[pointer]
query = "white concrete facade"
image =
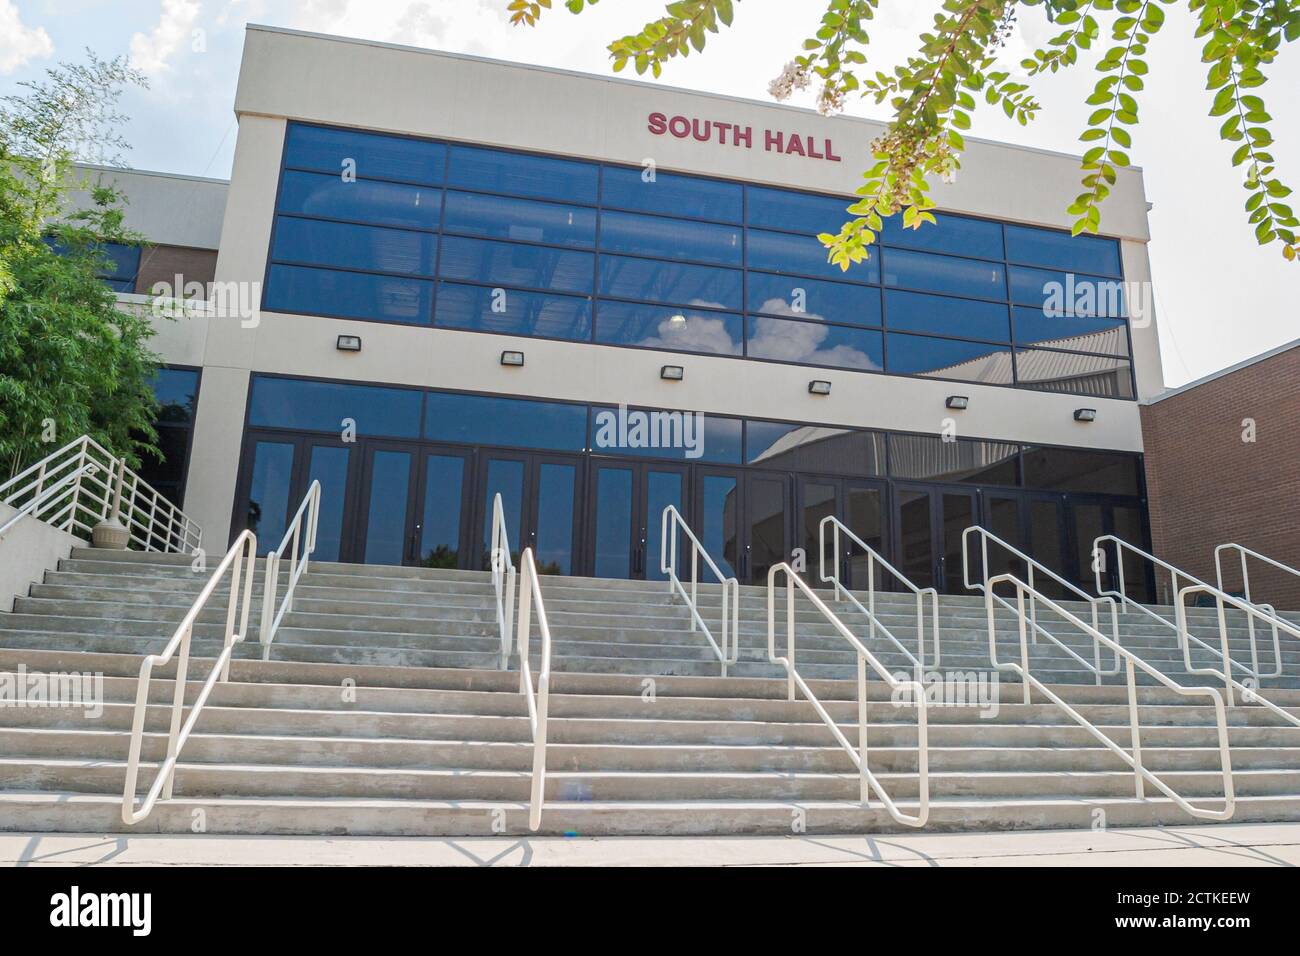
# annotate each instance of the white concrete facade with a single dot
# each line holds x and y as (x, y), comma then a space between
(289, 76)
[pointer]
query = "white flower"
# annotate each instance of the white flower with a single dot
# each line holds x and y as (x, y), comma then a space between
(793, 77)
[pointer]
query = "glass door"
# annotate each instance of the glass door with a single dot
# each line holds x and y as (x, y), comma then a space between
(860, 505)
(627, 522)
(716, 515)
(1046, 539)
(540, 504)
(385, 531)
(768, 525)
(930, 522)
(441, 519)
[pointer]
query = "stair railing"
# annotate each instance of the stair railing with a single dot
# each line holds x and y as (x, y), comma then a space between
(1036, 567)
(1132, 755)
(539, 703)
(1249, 694)
(1243, 553)
(93, 486)
(915, 691)
(240, 561)
(874, 558)
(504, 582)
(671, 523)
(299, 543)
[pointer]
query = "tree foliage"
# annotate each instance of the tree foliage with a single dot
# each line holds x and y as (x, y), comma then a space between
(71, 362)
(957, 65)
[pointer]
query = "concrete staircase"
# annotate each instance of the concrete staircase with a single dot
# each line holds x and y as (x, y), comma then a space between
(381, 711)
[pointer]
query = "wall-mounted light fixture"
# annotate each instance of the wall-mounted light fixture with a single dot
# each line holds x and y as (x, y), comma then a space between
(958, 401)
(348, 343)
(1085, 414)
(512, 358)
(818, 387)
(672, 373)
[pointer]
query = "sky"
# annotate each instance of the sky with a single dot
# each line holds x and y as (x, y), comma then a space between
(1219, 297)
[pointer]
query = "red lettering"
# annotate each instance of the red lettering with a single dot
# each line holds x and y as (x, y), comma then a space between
(722, 132)
(796, 146)
(658, 124)
(703, 134)
(812, 150)
(772, 139)
(830, 153)
(745, 136)
(679, 126)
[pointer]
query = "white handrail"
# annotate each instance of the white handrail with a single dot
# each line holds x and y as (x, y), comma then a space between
(1132, 662)
(1250, 695)
(1182, 632)
(504, 585)
(874, 558)
(1243, 553)
(916, 690)
(1033, 564)
(671, 522)
(110, 489)
(242, 557)
(538, 704)
(300, 539)
(52, 491)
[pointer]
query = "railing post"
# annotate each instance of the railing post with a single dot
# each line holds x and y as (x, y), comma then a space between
(1227, 661)
(726, 594)
(863, 789)
(789, 632)
(836, 563)
(269, 587)
(1024, 644)
(695, 575)
(1033, 606)
(178, 704)
(524, 630)
(1133, 723)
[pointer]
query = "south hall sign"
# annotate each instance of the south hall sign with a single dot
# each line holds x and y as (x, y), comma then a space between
(730, 134)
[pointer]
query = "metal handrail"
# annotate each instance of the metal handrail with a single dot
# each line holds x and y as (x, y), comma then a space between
(1132, 662)
(1249, 694)
(874, 558)
(53, 491)
(866, 779)
(671, 522)
(242, 557)
(110, 490)
(504, 585)
(538, 703)
(301, 542)
(1183, 633)
(1033, 565)
(1243, 553)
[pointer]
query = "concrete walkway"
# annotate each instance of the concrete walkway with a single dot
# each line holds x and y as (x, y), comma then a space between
(1229, 845)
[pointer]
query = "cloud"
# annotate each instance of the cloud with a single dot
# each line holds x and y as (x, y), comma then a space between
(19, 44)
(150, 53)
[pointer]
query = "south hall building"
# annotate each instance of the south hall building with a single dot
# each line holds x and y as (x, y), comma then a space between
(447, 277)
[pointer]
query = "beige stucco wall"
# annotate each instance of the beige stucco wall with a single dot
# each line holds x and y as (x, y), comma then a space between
(27, 551)
(355, 83)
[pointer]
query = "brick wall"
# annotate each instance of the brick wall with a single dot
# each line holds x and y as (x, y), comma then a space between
(1208, 486)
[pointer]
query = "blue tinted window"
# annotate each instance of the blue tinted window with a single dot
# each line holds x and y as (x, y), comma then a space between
(936, 313)
(387, 204)
(814, 343)
(949, 358)
(812, 298)
(177, 392)
(675, 195)
(355, 247)
(630, 278)
(1065, 293)
(658, 433)
(329, 466)
(1083, 334)
(508, 263)
(670, 238)
(929, 273)
(481, 308)
(376, 156)
(1099, 375)
(958, 235)
(489, 420)
(797, 212)
(118, 263)
(668, 327)
(351, 295)
(323, 406)
(1058, 250)
(787, 253)
(527, 220)
(517, 174)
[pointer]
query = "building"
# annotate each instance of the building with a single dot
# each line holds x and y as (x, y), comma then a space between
(1221, 458)
(599, 297)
